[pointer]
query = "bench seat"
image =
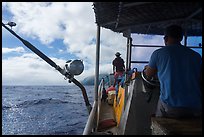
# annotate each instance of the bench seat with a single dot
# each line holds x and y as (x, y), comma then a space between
(169, 126)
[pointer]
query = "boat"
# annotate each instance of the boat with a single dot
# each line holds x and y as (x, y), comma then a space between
(132, 113)
(129, 110)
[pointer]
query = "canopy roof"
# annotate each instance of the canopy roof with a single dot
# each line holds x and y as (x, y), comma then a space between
(149, 17)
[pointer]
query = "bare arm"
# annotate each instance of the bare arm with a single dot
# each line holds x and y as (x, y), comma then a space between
(113, 69)
(150, 71)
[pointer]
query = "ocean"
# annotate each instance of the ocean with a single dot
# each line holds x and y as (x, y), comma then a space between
(44, 110)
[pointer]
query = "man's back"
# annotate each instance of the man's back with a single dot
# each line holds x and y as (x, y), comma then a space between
(119, 63)
(179, 73)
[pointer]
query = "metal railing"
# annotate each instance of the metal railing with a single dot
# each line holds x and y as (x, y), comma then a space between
(156, 46)
(90, 124)
(100, 89)
(93, 119)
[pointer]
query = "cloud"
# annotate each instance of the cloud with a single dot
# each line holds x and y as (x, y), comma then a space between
(143, 54)
(74, 24)
(41, 22)
(17, 49)
(29, 69)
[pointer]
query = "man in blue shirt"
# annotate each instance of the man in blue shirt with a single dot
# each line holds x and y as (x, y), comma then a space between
(179, 72)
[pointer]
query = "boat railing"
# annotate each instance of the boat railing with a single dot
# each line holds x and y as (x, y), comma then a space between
(93, 119)
(155, 46)
(90, 124)
(100, 90)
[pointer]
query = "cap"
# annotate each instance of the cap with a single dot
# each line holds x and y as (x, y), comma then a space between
(117, 54)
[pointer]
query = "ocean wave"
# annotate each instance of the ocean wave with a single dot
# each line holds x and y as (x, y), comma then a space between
(73, 124)
(6, 107)
(44, 110)
(35, 102)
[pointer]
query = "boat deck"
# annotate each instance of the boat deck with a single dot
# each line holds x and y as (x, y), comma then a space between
(107, 122)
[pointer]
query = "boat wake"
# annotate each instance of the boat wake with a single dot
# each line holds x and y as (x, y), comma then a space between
(31, 103)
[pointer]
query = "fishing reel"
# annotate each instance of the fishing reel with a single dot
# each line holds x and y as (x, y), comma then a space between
(73, 68)
(11, 24)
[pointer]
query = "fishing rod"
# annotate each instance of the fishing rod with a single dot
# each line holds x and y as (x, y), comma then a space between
(71, 68)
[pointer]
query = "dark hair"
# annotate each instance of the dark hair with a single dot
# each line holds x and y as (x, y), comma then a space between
(174, 31)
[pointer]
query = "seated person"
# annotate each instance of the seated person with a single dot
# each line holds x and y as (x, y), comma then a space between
(179, 72)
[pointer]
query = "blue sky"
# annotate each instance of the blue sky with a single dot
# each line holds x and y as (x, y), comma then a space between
(62, 31)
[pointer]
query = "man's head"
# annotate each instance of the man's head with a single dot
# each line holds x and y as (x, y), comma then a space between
(117, 54)
(173, 34)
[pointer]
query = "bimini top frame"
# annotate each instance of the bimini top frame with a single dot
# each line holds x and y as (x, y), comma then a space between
(149, 17)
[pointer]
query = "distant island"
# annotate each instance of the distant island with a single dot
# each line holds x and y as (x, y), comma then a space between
(90, 80)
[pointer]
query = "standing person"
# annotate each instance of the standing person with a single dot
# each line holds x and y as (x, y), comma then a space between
(118, 67)
(179, 72)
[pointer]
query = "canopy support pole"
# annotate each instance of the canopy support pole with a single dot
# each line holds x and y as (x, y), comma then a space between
(185, 38)
(96, 82)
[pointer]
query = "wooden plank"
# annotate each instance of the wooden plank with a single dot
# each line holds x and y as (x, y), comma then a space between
(106, 114)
